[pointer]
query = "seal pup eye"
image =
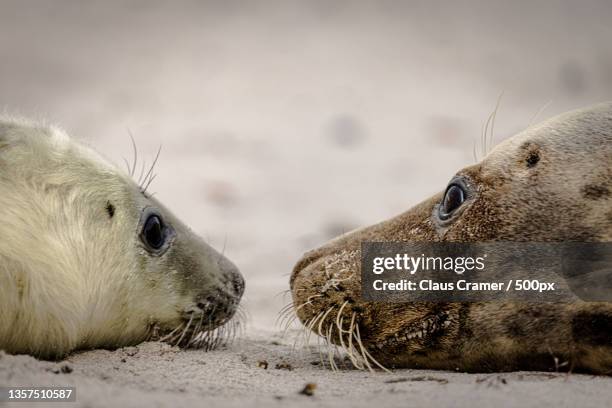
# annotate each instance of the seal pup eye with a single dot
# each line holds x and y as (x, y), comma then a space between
(153, 232)
(454, 197)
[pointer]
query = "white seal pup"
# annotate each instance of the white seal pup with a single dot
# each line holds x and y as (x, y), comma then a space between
(88, 259)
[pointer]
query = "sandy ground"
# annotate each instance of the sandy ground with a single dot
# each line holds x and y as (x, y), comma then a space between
(287, 124)
(155, 374)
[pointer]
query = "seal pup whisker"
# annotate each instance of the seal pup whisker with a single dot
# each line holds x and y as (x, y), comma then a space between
(134, 152)
(196, 330)
(149, 177)
(242, 320)
(127, 165)
(187, 327)
(171, 334)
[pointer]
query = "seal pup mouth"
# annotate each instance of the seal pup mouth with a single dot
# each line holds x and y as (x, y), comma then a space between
(203, 328)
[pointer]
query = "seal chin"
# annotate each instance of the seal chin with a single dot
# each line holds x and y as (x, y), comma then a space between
(206, 316)
(206, 324)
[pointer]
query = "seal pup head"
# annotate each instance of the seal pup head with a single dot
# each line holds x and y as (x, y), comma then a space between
(552, 182)
(88, 259)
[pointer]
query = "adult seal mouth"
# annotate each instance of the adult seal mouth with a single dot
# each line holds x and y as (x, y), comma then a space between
(550, 183)
(88, 258)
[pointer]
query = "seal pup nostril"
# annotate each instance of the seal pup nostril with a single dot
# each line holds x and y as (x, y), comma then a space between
(217, 308)
(238, 285)
(207, 305)
(202, 306)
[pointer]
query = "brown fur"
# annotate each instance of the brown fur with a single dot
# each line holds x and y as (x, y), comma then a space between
(549, 183)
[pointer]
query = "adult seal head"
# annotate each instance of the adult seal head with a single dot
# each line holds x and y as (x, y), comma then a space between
(552, 182)
(89, 259)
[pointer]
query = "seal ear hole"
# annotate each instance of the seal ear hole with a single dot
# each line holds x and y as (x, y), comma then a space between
(532, 159)
(530, 153)
(110, 209)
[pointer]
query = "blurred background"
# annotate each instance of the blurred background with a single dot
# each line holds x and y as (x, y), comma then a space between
(284, 124)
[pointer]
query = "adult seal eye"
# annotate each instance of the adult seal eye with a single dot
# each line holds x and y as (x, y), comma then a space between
(153, 232)
(454, 197)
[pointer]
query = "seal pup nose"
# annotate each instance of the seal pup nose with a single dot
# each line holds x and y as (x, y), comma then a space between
(217, 308)
(238, 285)
(233, 278)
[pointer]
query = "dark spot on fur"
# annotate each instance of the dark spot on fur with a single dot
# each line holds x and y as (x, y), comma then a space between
(592, 328)
(531, 154)
(110, 209)
(529, 321)
(532, 159)
(595, 192)
(514, 329)
(465, 329)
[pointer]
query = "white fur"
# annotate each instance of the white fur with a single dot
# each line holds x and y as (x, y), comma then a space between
(68, 273)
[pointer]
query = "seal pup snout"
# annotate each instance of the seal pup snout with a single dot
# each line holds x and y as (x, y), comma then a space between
(218, 306)
(212, 287)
